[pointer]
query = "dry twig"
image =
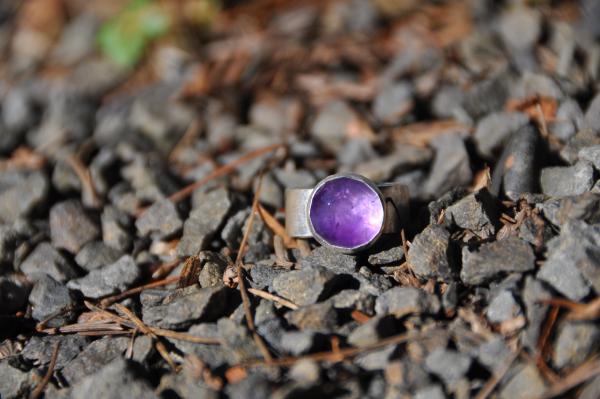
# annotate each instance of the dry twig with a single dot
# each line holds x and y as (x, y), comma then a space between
(39, 389)
(341, 354)
(240, 277)
(581, 374)
(223, 171)
(160, 347)
(125, 294)
(270, 297)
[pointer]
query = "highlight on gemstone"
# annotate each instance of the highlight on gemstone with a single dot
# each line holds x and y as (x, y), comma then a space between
(346, 212)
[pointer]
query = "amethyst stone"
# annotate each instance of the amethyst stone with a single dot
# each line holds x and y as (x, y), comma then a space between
(346, 212)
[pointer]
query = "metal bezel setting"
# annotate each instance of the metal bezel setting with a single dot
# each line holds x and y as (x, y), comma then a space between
(363, 180)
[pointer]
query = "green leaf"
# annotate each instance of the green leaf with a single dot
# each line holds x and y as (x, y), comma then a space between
(125, 38)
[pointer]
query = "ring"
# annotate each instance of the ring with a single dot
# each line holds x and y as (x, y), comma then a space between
(345, 211)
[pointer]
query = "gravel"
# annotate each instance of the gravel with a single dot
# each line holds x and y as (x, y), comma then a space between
(429, 254)
(494, 259)
(70, 226)
(570, 267)
(185, 308)
(118, 379)
(48, 297)
(160, 220)
(109, 279)
(46, 260)
(304, 287)
(568, 180)
(400, 301)
(204, 221)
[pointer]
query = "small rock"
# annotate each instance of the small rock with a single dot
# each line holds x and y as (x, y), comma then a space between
(355, 152)
(14, 383)
(430, 392)
(271, 193)
(305, 372)
(592, 119)
(354, 299)
(574, 343)
(331, 125)
(534, 83)
(93, 357)
(393, 255)
(109, 279)
(209, 211)
(450, 297)
(47, 297)
(294, 178)
(429, 254)
(583, 207)
(567, 180)
(38, 350)
(585, 137)
(330, 259)
(401, 159)
(572, 260)
(493, 259)
(118, 379)
(591, 154)
(526, 383)
(278, 116)
(438, 206)
(23, 196)
(372, 331)
(520, 28)
(115, 228)
(319, 317)
(569, 119)
(494, 130)
(447, 103)
(70, 226)
(370, 283)
(46, 260)
(450, 167)
(533, 293)
(76, 40)
(489, 95)
(503, 307)
(184, 385)
(376, 360)
(448, 364)
(393, 102)
(254, 386)
(304, 287)
(215, 356)
(264, 272)
(591, 390)
(237, 341)
(161, 220)
(298, 342)
(17, 114)
(96, 254)
(213, 267)
(187, 308)
(475, 212)
(400, 301)
(516, 172)
(413, 181)
(493, 354)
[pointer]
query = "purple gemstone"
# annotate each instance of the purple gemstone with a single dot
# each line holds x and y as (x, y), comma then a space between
(346, 212)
